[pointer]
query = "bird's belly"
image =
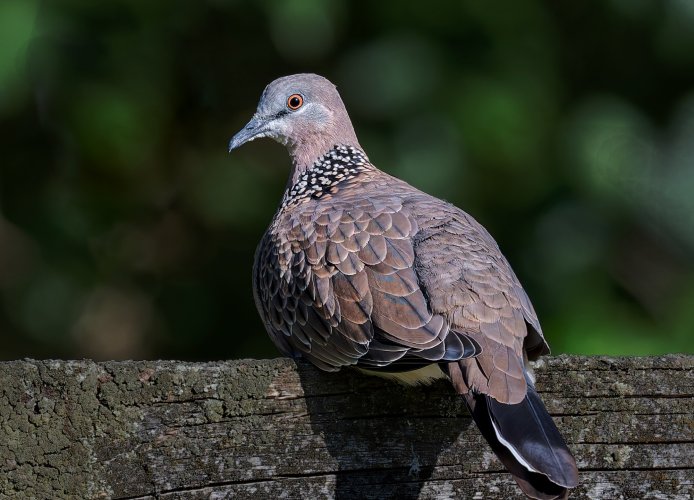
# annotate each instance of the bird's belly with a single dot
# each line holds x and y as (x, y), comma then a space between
(421, 376)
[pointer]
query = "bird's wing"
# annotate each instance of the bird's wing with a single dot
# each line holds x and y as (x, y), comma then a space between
(467, 279)
(341, 289)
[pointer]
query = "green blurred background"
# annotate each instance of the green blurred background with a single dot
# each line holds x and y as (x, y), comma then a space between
(127, 231)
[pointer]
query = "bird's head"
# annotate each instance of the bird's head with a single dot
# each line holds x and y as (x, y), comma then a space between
(305, 113)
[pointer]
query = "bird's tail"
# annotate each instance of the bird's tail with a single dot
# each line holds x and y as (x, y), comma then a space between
(527, 442)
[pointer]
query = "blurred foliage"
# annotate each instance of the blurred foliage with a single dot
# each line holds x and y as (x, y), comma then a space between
(126, 231)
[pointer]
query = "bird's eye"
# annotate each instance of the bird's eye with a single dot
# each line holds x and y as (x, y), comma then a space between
(295, 101)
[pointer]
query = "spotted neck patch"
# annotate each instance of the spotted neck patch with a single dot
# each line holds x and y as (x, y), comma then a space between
(323, 177)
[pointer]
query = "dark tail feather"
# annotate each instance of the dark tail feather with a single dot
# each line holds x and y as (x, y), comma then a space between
(528, 443)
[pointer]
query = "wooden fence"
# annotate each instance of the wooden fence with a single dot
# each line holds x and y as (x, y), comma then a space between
(273, 429)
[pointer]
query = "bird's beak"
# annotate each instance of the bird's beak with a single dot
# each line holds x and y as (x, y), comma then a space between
(257, 127)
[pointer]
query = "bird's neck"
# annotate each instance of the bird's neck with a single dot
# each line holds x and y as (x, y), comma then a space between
(326, 174)
(309, 148)
(306, 157)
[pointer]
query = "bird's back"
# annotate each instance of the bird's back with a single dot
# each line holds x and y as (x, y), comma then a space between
(357, 257)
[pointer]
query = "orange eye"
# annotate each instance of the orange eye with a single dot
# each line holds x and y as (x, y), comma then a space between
(295, 101)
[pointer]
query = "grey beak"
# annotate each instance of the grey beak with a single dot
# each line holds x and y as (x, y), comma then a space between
(254, 129)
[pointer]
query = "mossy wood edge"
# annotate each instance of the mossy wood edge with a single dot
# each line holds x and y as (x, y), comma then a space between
(278, 429)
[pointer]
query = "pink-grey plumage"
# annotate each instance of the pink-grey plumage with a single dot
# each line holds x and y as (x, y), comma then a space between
(359, 268)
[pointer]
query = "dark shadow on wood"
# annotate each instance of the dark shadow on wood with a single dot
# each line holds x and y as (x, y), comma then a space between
(382, 450)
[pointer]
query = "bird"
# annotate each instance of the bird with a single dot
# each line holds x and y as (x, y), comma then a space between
(360, 269)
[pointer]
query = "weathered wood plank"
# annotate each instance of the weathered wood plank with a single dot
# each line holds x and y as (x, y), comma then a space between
(264, 429)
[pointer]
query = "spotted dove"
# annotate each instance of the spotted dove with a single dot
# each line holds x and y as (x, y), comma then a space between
(358, 268)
